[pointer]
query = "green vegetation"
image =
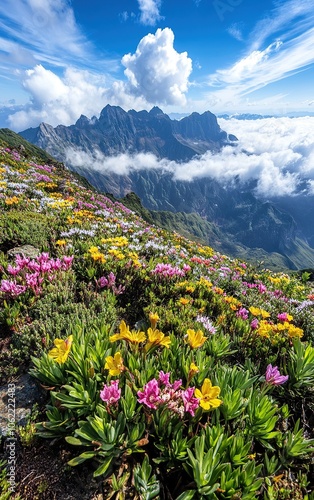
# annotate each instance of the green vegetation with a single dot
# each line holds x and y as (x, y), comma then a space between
(172, 371)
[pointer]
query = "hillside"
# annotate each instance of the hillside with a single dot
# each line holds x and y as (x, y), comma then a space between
(157, 158)
(167, 370)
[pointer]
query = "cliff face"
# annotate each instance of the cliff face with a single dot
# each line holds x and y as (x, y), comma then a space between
(118, 131)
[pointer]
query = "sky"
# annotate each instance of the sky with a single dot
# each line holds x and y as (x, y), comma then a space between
(61, 58)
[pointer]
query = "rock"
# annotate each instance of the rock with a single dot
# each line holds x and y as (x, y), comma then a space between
(17, 399)
(26, 250)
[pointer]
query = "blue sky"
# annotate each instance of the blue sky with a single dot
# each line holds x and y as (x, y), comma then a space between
(60, 58)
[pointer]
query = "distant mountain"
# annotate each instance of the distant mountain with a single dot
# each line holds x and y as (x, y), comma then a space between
(244, 116)
(242, 223)
(118, 131)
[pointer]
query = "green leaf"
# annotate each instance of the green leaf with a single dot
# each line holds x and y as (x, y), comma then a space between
(81, 458)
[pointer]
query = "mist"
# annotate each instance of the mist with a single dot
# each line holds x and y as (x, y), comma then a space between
(277, 153)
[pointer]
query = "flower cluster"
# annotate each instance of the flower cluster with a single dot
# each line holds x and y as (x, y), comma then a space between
(160, 393)
(30, 273)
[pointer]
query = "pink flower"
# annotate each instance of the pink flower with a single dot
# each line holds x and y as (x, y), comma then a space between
(176, 384)
(110, 393)
(12, 288)
(150, 396)
(283, 316)
(13, 270)
(273, 376)
(164, 378)
(67, 261)
(190, 402)
(254, 324)
(242, 313)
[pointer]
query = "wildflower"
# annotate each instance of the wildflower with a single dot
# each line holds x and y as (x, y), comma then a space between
(125, 334)
(273, 376)
(193, 370)
(242, 313)
(254, 324)
(12, 288)
(61, 350)
(114, 364)
(208, 395)
(207, 323)
(153, 318)
(155, 338)
(259, 312)
(110, 393)
(195, 339)
(183, 301)
(61, 243)
(150, 396)
(164, 378)
(265, 329)
(284, 317)
(294, 331)
(189, 401)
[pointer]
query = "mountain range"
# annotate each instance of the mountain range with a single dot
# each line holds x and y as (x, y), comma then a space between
(240, 223)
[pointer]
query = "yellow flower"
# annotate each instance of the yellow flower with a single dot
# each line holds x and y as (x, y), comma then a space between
(208, 395)
(259, 312)
(155, 338)
(114, 364)
(153, 318)
(11, 201)
(125, 334)
(294, 331)
(192, 370)
(184, 301)
(61, 242)
(195, 339)
(61, 350)
(265, 329)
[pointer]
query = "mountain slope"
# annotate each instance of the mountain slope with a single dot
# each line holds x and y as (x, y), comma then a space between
(250, 223)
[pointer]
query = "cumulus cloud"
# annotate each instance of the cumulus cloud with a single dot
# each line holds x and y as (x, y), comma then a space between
(149, 11)
(157, 74)
(276, 153)
(59, 100)
(157, 71)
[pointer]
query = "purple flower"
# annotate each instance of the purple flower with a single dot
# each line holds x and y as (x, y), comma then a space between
(190, 402)
(176, 384)
(164, 378)
(254, 324)
(12, 288)
(242, 313)
(273, 376)
(13, 270)
(110, 393)
(150, 396)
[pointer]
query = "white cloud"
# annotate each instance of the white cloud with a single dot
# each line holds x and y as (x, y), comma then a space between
(235, 31)
(157, 71)
(278, 153)
(149, 11)
(280, 46)
(59, 100)
(157, 74)
(291, 18)
(44, 27)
